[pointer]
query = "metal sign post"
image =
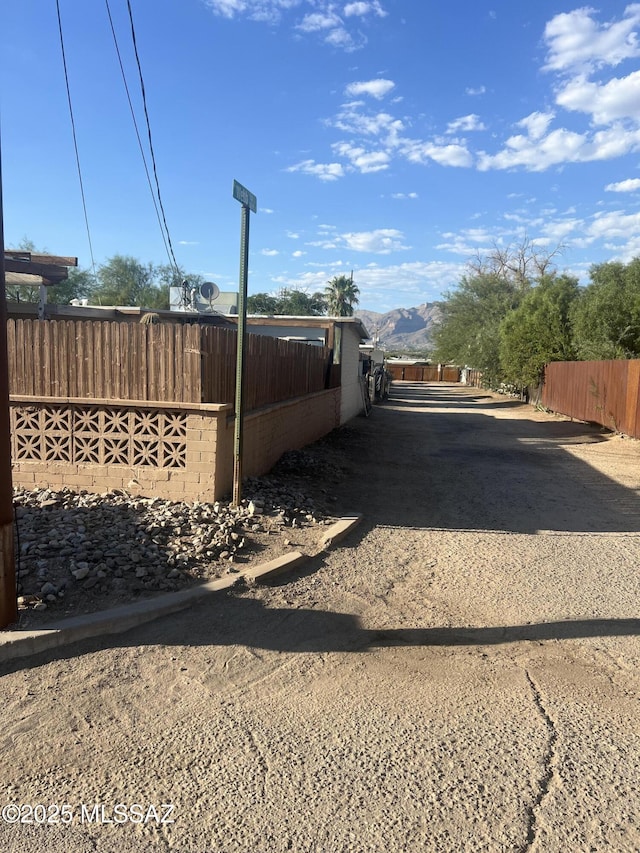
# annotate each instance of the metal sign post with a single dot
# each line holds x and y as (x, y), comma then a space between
(8, 601)
(248, 202)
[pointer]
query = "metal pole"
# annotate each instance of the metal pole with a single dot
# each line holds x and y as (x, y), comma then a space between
(8, 600)
(242, 327)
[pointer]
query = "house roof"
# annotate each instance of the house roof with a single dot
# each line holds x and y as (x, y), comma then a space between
(320, 322)
(112, 312)
(28, 268)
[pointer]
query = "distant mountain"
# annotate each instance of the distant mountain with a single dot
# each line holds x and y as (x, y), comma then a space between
(402, 328)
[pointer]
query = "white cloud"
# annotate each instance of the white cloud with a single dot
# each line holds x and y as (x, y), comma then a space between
(389, 131)
(421, 281)
(266, 210)
(535, 155)
(269, 253)
(619, 98)
(628, 186)
(559, 147)
(377, 88)
(188, 242)
(355, 9)
(578, 45)
(315, 21)
(404, 195)
(228, 8)
(322, 171)
(469, 241)
(340, 37)
(361, 9)
(410, 283)
(559, 230)
(465, 123)
(454, 154)
(267, 11)
(613, 142)
(298, 253)
(293, 235)
(351, 120)
(479, 90)
(577, 41)
(536, 124)
(616, 225)
(315, 17)
(364, 161)
(382, 241)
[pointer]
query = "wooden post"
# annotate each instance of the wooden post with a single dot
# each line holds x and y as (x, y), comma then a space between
(8, 601)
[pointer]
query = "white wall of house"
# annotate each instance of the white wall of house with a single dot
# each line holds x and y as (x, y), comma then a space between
(351, 400)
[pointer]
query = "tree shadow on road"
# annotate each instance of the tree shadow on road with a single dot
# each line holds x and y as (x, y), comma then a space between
(465, 465)
(237, 620)
(245, 621)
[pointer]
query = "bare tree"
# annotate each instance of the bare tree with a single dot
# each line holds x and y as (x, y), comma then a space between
(518, 263)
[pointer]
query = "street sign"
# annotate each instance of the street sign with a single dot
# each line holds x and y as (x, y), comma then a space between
(246, 198)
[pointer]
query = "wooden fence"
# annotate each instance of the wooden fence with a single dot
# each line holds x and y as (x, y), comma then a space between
(423, 373)
(473, 377)
(604, 392)
(162, 362)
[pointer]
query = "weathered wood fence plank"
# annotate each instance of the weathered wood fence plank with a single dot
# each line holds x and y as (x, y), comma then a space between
(163, 362)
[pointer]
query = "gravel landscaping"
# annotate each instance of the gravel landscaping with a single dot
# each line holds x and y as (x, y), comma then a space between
(78, 552)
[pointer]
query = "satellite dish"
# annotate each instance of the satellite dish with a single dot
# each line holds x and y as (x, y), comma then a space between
(209, 290)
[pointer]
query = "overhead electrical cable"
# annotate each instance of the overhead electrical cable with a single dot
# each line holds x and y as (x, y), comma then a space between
(146, 114)
(135, 124)
(75, 140)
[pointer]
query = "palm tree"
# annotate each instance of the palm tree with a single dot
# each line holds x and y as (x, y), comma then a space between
(342, 295)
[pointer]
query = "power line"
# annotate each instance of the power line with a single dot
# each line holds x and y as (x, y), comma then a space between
(146, 114)
(75, 141)
(135, 124)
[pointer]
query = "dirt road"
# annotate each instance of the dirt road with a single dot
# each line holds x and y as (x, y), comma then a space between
(461, 675)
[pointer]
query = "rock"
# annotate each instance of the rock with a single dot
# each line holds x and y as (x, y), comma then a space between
(81, 573)
(117, 543)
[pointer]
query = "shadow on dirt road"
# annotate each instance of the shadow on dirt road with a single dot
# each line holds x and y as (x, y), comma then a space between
(442, 456)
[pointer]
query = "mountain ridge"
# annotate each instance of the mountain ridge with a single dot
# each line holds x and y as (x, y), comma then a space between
(402, 328)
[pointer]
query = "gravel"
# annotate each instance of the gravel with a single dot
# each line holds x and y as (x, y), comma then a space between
(78, 552)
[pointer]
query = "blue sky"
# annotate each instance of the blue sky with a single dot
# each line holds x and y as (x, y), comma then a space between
(394, 138)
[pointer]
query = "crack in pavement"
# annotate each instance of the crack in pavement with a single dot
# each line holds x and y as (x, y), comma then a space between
(549, 762)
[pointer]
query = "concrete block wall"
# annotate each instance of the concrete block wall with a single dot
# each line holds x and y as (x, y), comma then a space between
(177, 451)
(147, 448)
(287, 426)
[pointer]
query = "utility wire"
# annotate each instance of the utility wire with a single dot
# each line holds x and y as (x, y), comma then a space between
(135, 124)
(75, 141)
(146, 114)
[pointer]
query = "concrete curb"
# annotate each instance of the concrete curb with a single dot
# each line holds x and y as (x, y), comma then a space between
(339, 530)
(17, 644)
